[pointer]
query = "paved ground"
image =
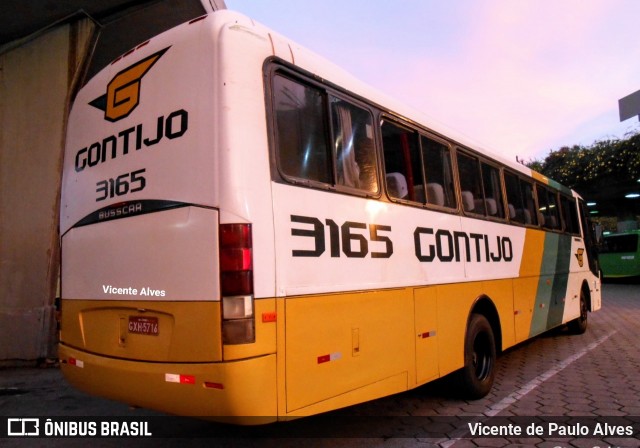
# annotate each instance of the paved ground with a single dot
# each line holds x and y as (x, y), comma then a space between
(573, 382)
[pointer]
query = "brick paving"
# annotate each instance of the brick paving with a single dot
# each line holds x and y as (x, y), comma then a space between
(548, 378)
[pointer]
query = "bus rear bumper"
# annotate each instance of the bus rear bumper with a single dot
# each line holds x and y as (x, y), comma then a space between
(241, 392)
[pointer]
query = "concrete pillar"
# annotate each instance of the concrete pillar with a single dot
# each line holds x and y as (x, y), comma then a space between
(35, 81)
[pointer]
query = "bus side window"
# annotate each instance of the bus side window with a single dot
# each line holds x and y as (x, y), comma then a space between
(439, 176)
(515, 204)
(301, 131)
(548, 208)
(570, 214)
(402, 157)
(353, 146)
(492, 191)
(471, 184)
(530, 211)
(520, 201)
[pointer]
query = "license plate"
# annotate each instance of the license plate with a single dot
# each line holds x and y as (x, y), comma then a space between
(144, 325)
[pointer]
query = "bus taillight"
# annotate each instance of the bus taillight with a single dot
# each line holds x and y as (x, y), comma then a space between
(236, 283)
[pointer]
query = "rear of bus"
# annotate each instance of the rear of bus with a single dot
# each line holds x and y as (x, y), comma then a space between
(159, 238)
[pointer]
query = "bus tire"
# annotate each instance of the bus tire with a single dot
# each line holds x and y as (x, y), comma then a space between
(579, 325)
(478, 373)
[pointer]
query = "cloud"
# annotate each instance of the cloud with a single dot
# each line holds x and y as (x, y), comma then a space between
(527, 75)
(519, 76)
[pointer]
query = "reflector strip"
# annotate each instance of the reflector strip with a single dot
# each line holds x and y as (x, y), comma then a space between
(330, 357)
(76, 362)
(428, 334)
(181, 379)
(269, 316)
(211, 385)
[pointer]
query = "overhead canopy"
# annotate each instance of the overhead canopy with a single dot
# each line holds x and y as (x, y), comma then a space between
(21, 18)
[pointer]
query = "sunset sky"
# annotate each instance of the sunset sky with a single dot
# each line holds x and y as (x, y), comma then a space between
(521, 77)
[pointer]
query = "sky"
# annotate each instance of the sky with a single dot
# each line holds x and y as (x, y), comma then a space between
(519, 77)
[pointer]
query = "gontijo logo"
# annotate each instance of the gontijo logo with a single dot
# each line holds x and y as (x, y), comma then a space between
(123, 91)
(580, 256)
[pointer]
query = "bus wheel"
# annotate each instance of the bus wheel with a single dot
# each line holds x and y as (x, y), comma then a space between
(579, 325)
(478, 373)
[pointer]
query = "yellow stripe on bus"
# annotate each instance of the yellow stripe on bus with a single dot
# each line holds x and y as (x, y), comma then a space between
(525, 287)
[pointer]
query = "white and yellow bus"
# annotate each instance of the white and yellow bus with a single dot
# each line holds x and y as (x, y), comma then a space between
(250, 232)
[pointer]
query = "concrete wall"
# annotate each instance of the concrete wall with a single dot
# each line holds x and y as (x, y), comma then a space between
(35, 81)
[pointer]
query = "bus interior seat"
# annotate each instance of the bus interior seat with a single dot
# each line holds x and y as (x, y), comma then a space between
(397, 185)
(523, 215)
(492, 206)
(467, 201)
(435, 194)
(541, 219)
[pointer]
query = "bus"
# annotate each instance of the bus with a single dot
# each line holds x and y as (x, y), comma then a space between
(619, 255)
(251, 234)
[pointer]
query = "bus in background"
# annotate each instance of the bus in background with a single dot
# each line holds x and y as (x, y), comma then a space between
(620, 255)
(250, 233)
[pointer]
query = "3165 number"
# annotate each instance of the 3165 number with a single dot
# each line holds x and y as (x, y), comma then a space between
(121, 185)
(351, 238)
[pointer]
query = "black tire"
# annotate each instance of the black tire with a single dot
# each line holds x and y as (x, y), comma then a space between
(579, 325)
(477, 375)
